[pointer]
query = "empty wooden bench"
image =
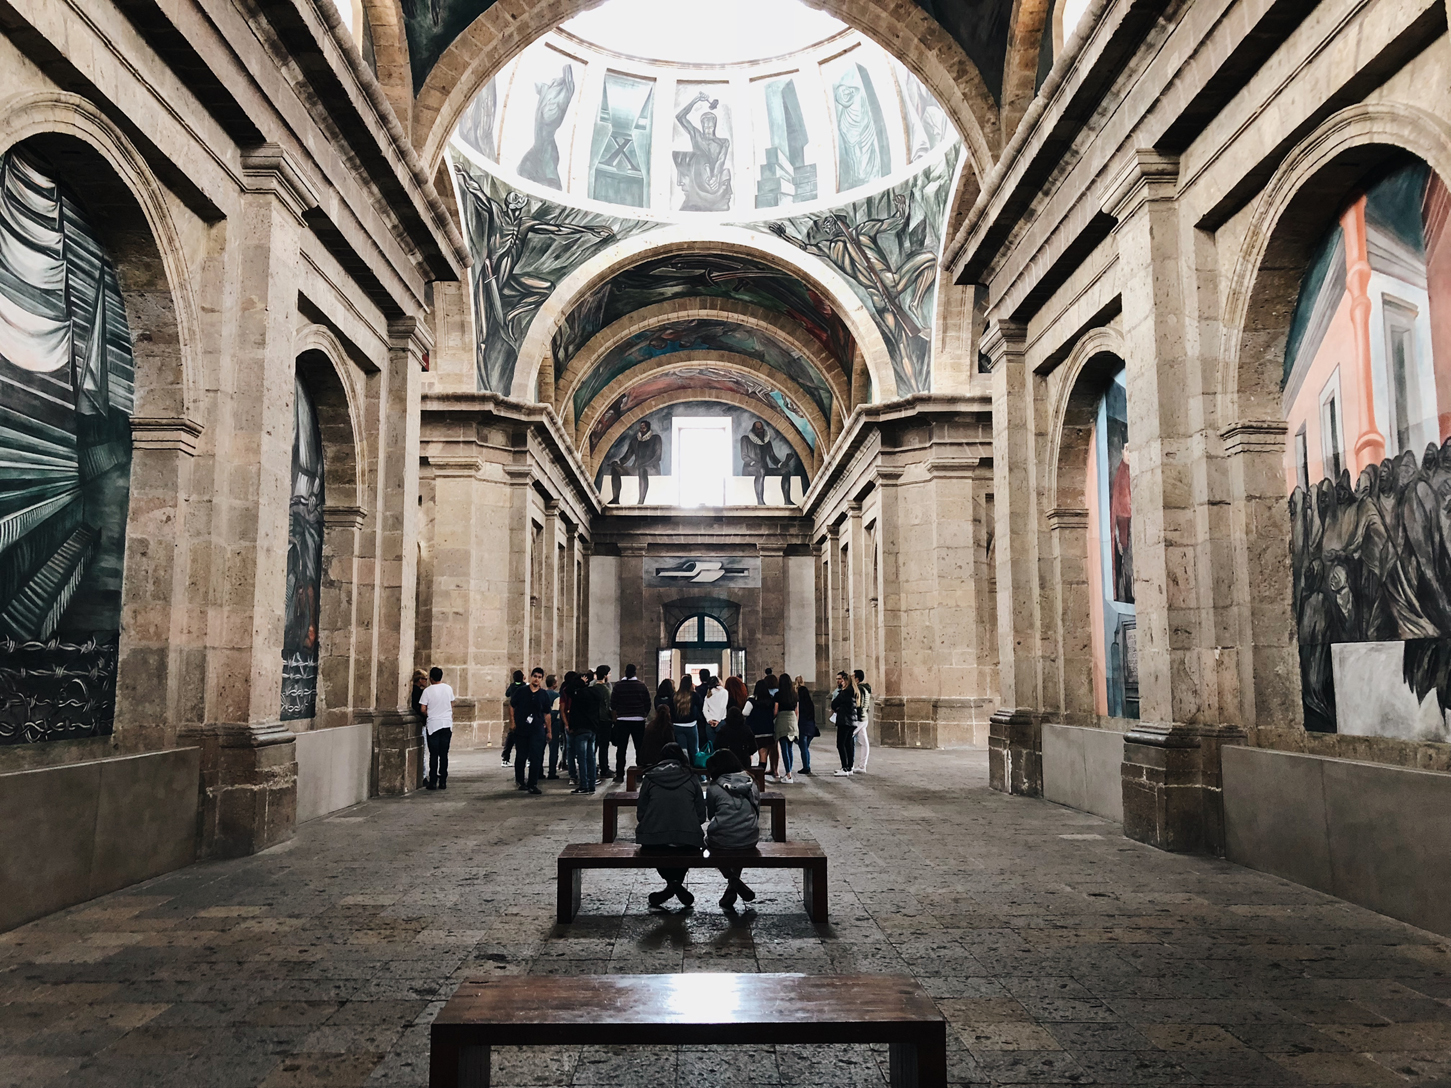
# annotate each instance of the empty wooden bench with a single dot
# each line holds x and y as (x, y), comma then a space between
(579, 856)
(613, 802)
(705, 1009)
(632, 777)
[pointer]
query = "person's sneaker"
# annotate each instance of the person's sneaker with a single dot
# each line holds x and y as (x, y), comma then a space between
(576, 790)
(728, 901)
(858, 770)
(619, 778)
(805, 770)
(659, 899)
(552, 777)
(841, 774)
(504, 763)
(745, 892)
(683, 894)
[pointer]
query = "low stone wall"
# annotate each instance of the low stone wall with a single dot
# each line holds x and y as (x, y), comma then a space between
(75, 832)
(333, 766)
(1083, 769)
(943, 722)
(1375, 835)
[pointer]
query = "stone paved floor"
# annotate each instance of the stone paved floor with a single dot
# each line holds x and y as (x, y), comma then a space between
(1060, 952)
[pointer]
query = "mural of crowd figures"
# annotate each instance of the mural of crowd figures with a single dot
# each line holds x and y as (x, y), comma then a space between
(702, 335)
(304, 563)
(68, 381)
(523, 247)
(786, 176)
(704, 378)
(707, 276)
(619, 164)
(1368, 465)
(863, 151)
(743, 421)
(1111, 521)
(703, 145)
(886, 245)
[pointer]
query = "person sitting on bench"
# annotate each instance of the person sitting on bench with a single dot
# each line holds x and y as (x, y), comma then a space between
(669, 815)
(659, 733)
(734, 805)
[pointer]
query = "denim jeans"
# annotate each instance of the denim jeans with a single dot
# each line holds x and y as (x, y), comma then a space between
(584, 760)
(688, 739)
(567, 742)
(785, 743)
(804, 743)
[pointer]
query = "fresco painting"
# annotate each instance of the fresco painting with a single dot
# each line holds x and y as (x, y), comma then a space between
(887, 247)
(68, 379)
(702, 148)
(523, 247)
(1110, 524)
(782, 143)
(706, 275)
(863, 150)
(477, 125)
(703, 379)
(701, 335)
(552, 97)
(301, 609)
(927, 124)
(619, 165)
(1367, 400)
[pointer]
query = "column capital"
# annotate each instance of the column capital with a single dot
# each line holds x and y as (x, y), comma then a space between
(1148, 176)
(268, 168)
(1067, 518)
(519, 475)
(633, 549)
(1255, 436)
(410, 335)
(343, 517)
(1004, 338)
(854, 509)
(770, 548)
(165, 433)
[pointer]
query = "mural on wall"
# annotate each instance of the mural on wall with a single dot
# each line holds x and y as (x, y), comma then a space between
(702, 148)
(703, 275)
(619, 164)
(304, 563)
(68, 381)
(863, 152)
(1367, 399)
(782, 462)
(786, 176)
(706, 379)
(927, 124)
(477, 124)
(886, 245)
(540, 163)
(522, 247)
(698, 334)
(1110, 522)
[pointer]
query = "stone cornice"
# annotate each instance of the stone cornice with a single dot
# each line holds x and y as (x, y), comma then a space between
(1255, 436)
(343, 517)
(269, 168)
(165, 433)
(1147, 177)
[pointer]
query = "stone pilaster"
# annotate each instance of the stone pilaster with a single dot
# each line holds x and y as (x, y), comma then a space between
(1068, 530)
(1172, 785)
(1015, 752)
(548, 593)
(398, 753)
(248, 796)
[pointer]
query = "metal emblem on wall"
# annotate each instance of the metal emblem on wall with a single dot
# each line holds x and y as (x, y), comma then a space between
(304, 565)
(66, 393)
(725, 571)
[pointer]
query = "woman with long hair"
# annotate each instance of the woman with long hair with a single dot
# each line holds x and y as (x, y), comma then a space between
(682, 714)
(665, 693)
(737, 691)
(658, 733)
(843, 716)
(761, 717)
(806, 728)
(786, 727)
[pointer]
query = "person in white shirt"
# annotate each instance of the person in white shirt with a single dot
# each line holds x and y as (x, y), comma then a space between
(863, 722)
(713, 708)
(437, 702)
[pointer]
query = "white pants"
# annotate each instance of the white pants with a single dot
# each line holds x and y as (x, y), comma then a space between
(863, 742)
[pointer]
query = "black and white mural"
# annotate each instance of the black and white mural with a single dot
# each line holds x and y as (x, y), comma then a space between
(304, 565)
(67, 386)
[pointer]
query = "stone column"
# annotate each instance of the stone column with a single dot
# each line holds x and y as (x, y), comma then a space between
(337, 615)
(1015, 735)
(831, 605)
(397, 743)
(249, 769)
(895, 681)
(771, 640)
(1068, 529)
(856, 587)
(569, 607)
(637, 638)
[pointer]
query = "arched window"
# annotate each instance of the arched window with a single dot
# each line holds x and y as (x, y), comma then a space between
(702, 630)
(304, 563)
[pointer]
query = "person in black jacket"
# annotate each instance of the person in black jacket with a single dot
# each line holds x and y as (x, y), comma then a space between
(843, 715)
(630, 702)
(670, 814)
(806, 728)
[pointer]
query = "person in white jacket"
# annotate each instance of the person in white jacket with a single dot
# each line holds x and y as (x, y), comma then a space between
(864, 710)
(713, 708)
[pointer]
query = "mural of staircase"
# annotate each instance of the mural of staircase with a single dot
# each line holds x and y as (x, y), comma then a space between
(34, 612)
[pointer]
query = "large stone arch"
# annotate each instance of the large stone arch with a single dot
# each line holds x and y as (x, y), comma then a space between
(130, 213)
(534, 352)
(391, 57)
(778, 327)
(1301, 200)
(783, 425)
(325, 370)
(741, 364)
(905, 31)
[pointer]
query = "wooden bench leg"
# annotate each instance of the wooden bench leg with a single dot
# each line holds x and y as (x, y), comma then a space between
(566, 893)
(778, 823)
(922, 1064)
(612, 821)
(473, 1065)
(813, 892)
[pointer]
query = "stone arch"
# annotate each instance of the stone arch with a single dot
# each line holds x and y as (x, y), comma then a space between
(783, 425)
(906, 31)
(322, 364)
(1084, 378)
(781, 329)
(742, 364)
(390, 55)
(1020, 64)
(535, 353)
(1301, 200)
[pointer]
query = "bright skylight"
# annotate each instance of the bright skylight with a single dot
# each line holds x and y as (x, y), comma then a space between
(702, 459)
(697, 32)
(1072, 15)
(344, 9)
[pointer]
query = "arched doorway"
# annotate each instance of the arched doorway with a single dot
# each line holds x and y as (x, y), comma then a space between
(701, 641)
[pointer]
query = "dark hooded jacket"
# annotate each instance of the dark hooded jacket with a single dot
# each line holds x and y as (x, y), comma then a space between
(734, 805)
(671, 807)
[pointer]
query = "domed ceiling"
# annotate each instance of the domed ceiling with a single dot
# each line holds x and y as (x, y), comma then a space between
(815, 170)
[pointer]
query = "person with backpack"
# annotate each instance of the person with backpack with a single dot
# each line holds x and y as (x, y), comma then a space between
(786, 726)
(669, 817)
(733, 804)
(735, 735)
(863, 721)
(761, 717)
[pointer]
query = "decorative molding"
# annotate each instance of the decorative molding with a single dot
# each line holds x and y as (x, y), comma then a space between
(1002, 338)
(1147, 177)
(411, 335)
(1067, 518)
(343, 517)
(455, 466)
(1255, 436)
(165, 433)
(268, 168)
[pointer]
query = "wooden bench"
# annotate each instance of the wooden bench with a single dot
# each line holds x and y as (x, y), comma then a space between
(704, 1009)
(632, 778)
(579, 856)
(613, 802)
